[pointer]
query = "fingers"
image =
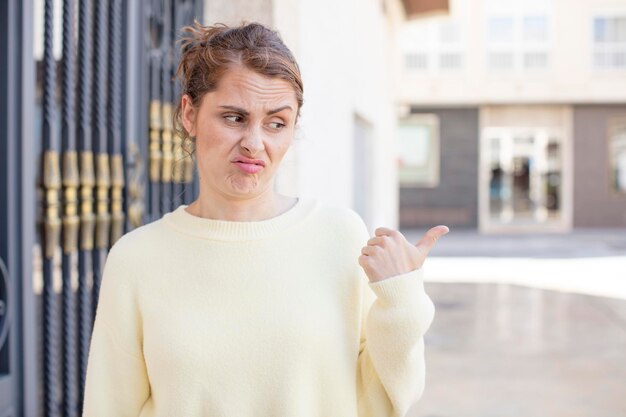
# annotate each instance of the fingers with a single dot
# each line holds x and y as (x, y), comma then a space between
(385, 231)
(378, 240)
(429, 239)
(370, 250)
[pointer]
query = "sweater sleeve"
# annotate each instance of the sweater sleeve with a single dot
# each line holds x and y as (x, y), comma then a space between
(116, 381)
(396, 312)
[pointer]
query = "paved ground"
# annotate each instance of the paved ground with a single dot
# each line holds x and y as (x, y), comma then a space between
(577, 244)
(589, 261)
(518, 330)
(499, 350)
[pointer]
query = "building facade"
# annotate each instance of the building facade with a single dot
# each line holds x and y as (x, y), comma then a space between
(522, 107)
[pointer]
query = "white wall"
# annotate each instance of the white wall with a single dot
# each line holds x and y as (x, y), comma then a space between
(343, 49)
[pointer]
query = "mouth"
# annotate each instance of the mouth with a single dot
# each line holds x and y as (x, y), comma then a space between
(249, 166)
(243, 160)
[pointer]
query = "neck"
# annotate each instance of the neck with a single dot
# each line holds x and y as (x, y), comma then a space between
(261, 207)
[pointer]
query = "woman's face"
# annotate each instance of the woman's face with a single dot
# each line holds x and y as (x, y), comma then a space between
(243, 129)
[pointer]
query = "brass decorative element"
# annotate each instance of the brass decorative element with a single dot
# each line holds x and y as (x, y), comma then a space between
(189, 165)
(135, 186)
(87, 218)
(155, 132)
(52, 186)
(103, 183)
(167, 155)
(70, 220)
(178, 166)
(117, 211)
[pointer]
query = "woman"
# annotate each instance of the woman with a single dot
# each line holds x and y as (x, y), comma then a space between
(247, 302)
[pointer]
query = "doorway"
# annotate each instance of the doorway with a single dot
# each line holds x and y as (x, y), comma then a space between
(522, 171)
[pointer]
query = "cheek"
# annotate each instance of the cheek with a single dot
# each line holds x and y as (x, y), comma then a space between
(281, 148)
(212, 138)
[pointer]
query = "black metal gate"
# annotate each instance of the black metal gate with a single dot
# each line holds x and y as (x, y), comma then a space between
(87, 153)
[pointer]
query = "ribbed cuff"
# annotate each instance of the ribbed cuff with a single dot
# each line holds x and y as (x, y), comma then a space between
(400, 288)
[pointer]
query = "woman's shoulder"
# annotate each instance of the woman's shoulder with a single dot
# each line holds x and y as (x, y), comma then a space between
(143, 238)
(341, 219)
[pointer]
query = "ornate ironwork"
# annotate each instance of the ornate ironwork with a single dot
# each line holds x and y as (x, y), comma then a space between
(103, 217)
(117, 212)
(52, 187)
(155, 140)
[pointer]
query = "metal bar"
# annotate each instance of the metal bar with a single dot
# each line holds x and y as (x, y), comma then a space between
(155, 137)
(52, 224)
(70, 219)
(17, 82)
(135, 120)
(179, 156)
(87, 182)
(26, 327)
(115, 119)
(103, 177)
(166, 86)
(155, 16)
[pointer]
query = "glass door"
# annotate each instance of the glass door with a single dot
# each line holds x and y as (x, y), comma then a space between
(522, 171)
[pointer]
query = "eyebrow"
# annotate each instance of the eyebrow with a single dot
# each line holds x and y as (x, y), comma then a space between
(246, 113)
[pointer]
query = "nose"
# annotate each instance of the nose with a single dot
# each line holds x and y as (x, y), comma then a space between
(252, 140)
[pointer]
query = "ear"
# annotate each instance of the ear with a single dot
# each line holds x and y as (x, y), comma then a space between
(188, 115)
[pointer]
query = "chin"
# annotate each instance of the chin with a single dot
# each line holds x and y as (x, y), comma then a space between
(246, 187)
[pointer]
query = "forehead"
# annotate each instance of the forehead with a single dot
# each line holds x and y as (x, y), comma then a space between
(243, 86)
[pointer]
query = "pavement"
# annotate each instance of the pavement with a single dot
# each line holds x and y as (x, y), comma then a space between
(526, 325)
(500, 350)
(580, 243)
(586, 261)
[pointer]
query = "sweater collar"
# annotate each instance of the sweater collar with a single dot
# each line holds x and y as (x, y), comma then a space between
(228, 230)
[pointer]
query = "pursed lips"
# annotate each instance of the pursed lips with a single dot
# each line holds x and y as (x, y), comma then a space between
(250, 166)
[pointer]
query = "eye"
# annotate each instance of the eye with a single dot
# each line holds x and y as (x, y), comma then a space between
(276, 125)
(234, 118)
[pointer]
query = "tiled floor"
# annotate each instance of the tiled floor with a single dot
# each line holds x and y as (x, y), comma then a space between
(499, 350)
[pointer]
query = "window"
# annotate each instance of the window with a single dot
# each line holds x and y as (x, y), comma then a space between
(518, 41)
(418, 145)
(609, 42)
(535, 60)
(500, 29)
(450, 61)
(501, 60)
(535, 28)
(609, 29)
(416, 61)
(617, 154)
(432, 45)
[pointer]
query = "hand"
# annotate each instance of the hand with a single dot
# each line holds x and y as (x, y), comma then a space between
(388, 253)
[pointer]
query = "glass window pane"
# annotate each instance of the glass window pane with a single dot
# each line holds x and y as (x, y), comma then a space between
(418, 151)
(414, 145)
(618, 156)
(599, 28)
(535, 28)
(500, 29)
(500, 60)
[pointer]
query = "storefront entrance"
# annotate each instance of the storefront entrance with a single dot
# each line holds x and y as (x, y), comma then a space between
(523, 179)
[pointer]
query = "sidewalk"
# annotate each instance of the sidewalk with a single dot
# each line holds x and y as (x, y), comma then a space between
(502, 345)
(507, 351)
(589, 261)
(577, 244)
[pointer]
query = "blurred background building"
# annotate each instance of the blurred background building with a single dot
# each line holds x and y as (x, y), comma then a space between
(514, 116)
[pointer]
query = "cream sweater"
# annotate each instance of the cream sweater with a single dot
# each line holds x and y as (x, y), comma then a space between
(272, 318)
